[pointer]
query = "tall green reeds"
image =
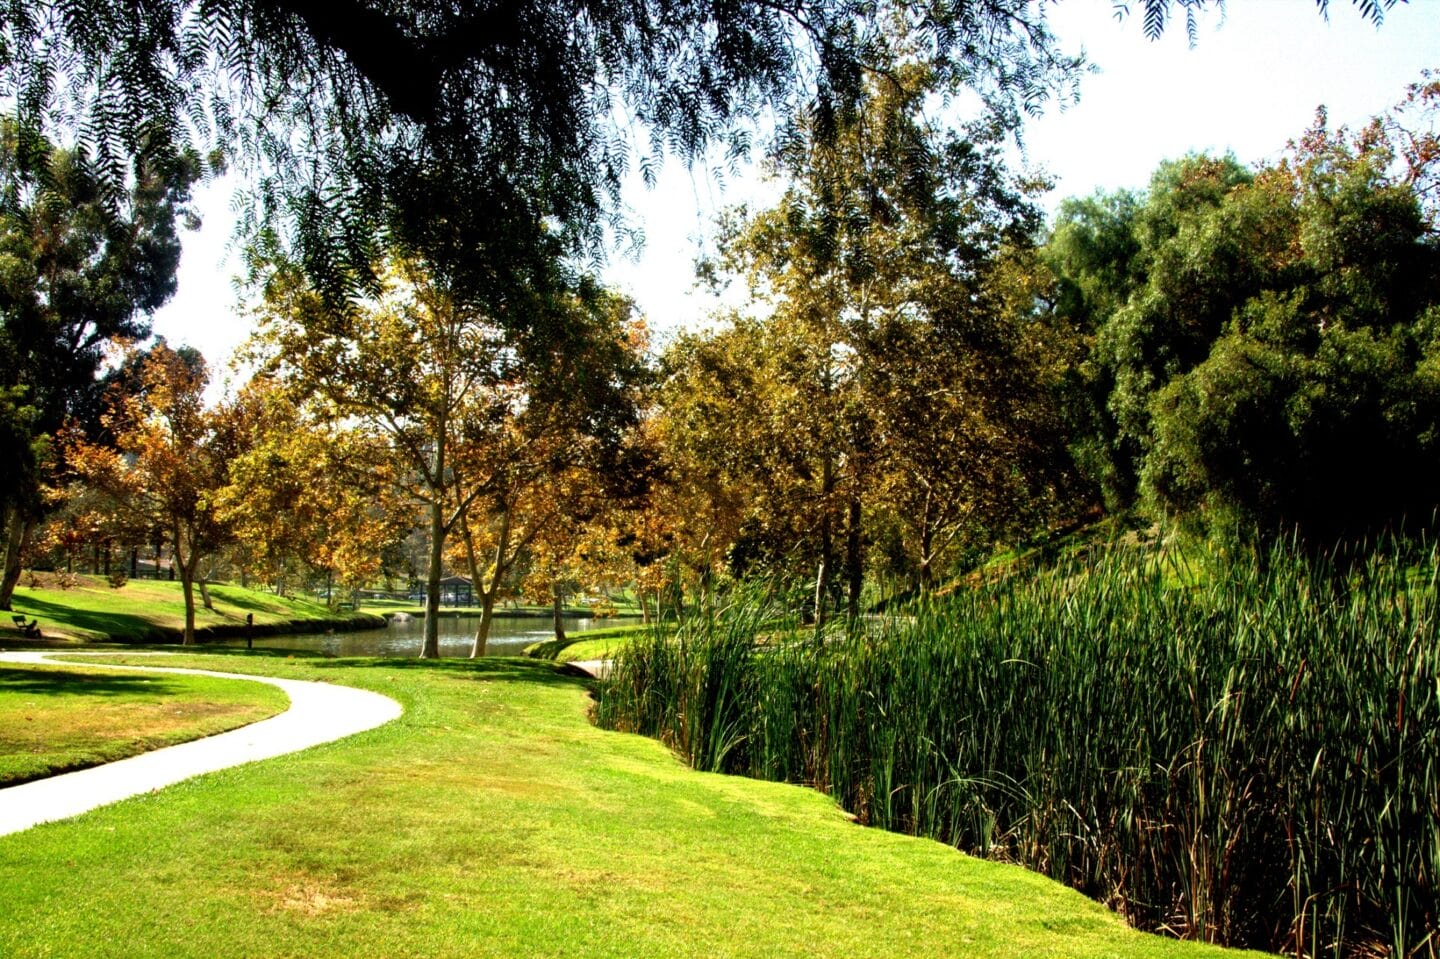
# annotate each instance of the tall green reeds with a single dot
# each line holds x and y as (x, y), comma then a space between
(1248, 753)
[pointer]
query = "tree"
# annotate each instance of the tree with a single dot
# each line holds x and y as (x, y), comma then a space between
(416, 366)
(1263, 341)
(307, 496)
(169, 460)
(563, 452)
(82, 265)
(476, 414)
(902, 356)
(1316, 407)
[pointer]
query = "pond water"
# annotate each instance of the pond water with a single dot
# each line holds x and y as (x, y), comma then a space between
(509, 635)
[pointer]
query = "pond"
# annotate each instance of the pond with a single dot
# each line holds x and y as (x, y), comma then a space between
(509, 635)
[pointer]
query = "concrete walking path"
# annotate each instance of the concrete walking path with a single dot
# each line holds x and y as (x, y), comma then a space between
(318, 713)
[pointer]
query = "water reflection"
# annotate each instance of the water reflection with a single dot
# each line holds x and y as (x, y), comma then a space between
(508, 636)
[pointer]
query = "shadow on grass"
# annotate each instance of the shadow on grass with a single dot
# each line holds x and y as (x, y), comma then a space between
(208, 649)
(67, 682)
(120, 626)
(488, 669)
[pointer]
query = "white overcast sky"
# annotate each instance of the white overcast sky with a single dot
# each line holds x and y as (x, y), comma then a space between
(1252, 82)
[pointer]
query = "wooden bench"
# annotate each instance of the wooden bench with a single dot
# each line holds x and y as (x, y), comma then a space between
(31, 629)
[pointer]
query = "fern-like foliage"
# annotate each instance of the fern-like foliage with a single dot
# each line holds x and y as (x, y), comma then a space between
(488, 136)
(1156, 15)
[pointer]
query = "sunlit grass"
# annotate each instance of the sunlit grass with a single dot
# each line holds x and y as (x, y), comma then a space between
(54, 720)
(602, 643)
(493, 819)
(154, 611)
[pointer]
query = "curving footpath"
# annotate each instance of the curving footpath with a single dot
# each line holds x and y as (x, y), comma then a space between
(318, 713)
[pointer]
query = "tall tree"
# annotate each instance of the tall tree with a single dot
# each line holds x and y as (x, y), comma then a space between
(1316, 406)
(476, 414)
(170, 459)
(82, 266)
(415, 365)
(563, 451)
(1128, 281)
(308, 497)
(892, 337)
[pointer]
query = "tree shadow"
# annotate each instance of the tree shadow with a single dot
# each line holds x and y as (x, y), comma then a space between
(488, 669)
(124, 626)
(213, 648)
(241, 600)
(68, 682)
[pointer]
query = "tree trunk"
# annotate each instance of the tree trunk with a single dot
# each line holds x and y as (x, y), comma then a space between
(854, 561)
(204, 591)
(17, 538)
(187, 566)
(488, 591)
(482, 632)
(187, 588)
(430, 649)
(924, 575)
(558, 610)
(827, 547)
(644, 609)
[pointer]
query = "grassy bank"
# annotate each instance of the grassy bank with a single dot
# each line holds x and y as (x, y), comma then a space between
(494, 820)
(154, 611)
(1248, 753)
(592, 644)
(57, 720)
(389, 607)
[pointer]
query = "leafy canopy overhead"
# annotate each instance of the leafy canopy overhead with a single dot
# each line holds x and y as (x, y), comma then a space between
(467, 130)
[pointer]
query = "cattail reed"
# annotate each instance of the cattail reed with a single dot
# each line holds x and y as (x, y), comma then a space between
(1244, 750)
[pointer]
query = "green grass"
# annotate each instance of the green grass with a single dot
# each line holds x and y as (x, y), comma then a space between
(1238, 747)
(56, 720)
(591, 644)
(494, 820)
(154, 611)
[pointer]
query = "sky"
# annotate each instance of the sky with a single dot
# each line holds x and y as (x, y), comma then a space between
(1252, 81)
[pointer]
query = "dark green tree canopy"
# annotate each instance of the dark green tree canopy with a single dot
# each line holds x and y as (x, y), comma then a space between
(1265, 347)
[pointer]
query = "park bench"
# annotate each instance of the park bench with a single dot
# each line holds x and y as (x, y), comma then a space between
(31, 628)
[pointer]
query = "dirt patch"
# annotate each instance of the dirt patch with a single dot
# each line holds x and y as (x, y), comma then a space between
(314, 898)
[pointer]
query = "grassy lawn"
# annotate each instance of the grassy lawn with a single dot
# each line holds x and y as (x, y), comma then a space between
(154, 611)
(56, 720)
(494, 820)
(591, 644)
